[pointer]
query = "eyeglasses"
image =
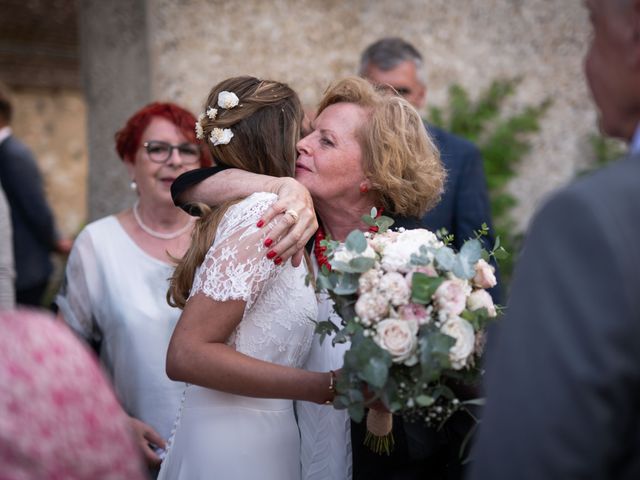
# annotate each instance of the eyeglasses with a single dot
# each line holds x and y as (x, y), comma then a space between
(160, 152)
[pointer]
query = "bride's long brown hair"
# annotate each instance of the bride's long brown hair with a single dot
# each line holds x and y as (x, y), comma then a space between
(266, 127)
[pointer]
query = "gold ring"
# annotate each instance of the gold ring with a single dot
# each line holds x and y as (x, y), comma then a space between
(293, 214)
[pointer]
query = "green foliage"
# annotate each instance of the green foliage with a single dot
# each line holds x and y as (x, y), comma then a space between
(605, 150)
(503, 140)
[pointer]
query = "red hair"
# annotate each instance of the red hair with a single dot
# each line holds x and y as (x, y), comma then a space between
(128, 138)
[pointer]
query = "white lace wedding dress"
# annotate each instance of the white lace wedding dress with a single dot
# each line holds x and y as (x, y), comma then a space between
(230, 437)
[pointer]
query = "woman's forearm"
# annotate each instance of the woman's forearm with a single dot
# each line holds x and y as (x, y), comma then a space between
(220, 367)
(225, 186)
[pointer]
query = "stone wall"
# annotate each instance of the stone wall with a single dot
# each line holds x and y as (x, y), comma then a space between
(193, 44)
(52, 123)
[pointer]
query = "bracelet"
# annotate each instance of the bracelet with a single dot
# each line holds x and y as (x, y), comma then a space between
(332, 387)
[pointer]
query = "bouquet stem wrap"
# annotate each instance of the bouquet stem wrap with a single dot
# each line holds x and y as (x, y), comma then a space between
(379, 437)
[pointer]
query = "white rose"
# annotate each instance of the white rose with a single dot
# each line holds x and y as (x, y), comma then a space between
(371, 307)
(227, 100)
(451, 296)
(485, 276)
(481, 299)
(419, 236)
(397, 256)
(465, 338)
(220, 136)
(399, 338)
(394, 288)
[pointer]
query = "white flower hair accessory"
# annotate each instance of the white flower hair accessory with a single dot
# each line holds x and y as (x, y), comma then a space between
(227, 100)
(199, 129)
(212, 113)
(220, 136)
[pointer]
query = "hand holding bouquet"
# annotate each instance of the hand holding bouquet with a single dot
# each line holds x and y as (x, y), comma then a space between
(415, 313)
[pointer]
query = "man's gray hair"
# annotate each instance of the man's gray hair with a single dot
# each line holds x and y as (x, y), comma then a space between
(388, 53)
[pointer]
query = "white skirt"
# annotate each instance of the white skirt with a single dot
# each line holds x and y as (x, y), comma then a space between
(229, 437)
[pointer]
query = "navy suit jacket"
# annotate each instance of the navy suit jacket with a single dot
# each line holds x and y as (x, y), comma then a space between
(464, 206)
(34, 234)
(563, 371)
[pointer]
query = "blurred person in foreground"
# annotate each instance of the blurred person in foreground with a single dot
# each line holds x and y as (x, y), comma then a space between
(58, 416)
(114, 291)
(34, 231)
(7, 272)
(367, 148)
(563, 384)
(396, 64)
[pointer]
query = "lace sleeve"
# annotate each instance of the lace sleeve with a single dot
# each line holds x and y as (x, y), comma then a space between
(74, 298)
(236, 266)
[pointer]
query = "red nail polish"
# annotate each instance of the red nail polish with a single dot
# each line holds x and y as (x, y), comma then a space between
(268, 242)
(277, 261)
(260, 224)
(271, 254)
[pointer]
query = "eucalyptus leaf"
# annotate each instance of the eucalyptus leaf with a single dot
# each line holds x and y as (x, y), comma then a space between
(375, 372)
(500, 253)
(463, 269)
(356, 412)
(384, 223)
(361, 264)
(424, 400)
(445, 257)
(471, 251)
(368, 220)
(423, 287)
(347, 284)
(356, 241)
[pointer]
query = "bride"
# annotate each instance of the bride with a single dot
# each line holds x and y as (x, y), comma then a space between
(247, 323)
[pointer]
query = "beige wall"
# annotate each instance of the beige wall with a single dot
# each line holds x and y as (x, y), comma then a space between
(52, 123)
(193, 44)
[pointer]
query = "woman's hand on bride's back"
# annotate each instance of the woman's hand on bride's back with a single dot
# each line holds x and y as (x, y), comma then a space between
(290, 234)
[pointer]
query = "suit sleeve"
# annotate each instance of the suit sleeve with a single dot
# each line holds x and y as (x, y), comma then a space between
(188, 180)
(23, 182)
(562, 373)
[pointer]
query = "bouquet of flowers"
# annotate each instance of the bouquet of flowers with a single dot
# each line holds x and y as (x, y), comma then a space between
(415, 312)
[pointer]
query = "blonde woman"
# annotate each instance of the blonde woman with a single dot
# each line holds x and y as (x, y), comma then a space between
(366, 149)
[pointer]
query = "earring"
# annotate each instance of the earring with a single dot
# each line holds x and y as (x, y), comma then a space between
(133, 186)
(364, 189)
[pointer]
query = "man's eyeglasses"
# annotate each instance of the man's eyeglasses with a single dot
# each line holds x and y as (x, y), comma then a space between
(159, 152)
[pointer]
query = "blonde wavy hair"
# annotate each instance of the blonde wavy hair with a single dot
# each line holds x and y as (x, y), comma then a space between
(398, 156)
(266, 127)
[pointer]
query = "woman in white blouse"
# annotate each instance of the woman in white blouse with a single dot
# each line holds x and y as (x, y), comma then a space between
(114, 293)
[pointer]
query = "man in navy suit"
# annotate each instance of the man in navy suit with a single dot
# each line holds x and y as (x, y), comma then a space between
(34, 233)
(563, 373)
(465, 205)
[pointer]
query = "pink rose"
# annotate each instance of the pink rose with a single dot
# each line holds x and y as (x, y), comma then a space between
(451, 296)
(399, 338)
(414, 311)
(485, 276)
(462, 332)
(481, 299)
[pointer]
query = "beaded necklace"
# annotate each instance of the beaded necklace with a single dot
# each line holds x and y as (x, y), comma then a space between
(318, 250)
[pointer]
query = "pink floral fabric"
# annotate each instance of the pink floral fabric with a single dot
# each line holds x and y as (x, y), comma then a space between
(58, 416)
